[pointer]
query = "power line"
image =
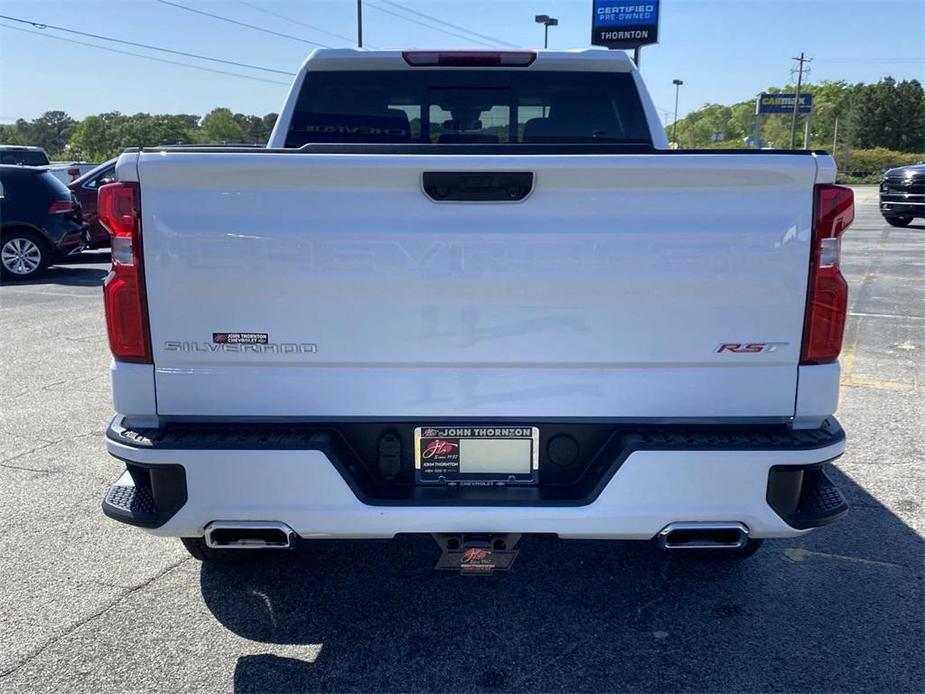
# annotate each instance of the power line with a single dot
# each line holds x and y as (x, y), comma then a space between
(139, 55)
(294, 21)
(243, 24)
(870, 60)
(415, 21)
(40, 25)
(452, 26)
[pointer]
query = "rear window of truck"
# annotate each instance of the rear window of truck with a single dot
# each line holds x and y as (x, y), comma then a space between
(504, 107)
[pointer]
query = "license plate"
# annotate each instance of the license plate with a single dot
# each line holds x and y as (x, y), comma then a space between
(476, 455)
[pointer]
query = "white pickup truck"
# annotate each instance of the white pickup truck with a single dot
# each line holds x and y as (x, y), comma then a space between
(474, 294)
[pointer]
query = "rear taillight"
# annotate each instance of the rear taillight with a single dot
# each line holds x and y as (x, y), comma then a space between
(124, 286)
(469, 58)
(827, 295)
(61, 206)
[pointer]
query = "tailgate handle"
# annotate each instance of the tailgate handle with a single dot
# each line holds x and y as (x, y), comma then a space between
(478, 186)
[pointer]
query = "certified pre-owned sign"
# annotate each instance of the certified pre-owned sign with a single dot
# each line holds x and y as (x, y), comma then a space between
(624, 24)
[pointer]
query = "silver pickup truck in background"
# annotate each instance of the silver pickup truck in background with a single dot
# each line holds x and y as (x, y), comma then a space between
(36, 156)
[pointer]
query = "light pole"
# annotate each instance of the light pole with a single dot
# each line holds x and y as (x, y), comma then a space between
(677, 88)
(547, 22)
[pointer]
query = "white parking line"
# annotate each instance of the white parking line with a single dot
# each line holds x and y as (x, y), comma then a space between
(23, 290)
(884, 315)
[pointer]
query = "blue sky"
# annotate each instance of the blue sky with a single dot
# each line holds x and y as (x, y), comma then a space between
(724, 50)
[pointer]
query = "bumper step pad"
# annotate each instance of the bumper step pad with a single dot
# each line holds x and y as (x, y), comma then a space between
(820, 498)
(805, 497)
(146, 495)
(132, 502)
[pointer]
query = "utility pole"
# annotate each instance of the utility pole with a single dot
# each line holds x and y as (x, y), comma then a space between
(848, 136)
(835, 142)
(359, 23)
(756, 133)
(796, 102)
(677, 88)
(807, 130)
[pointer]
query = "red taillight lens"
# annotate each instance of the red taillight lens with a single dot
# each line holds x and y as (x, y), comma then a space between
(124, 286)
(469, 58)
(61, 206)
(827, 296)
(117, 208)
(834, 209)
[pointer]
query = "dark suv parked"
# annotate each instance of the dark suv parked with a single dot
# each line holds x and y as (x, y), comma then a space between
(902, 194)
(40, 221)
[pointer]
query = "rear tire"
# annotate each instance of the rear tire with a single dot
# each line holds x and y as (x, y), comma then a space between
(23, 255)
(198, 549)
(898, 221)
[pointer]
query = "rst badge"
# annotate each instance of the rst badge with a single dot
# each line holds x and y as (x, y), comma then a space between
(749, 347)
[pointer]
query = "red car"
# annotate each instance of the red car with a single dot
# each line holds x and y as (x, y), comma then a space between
(85, 188)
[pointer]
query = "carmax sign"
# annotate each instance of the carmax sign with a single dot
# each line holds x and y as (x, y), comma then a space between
(624, 24)
(783, 103)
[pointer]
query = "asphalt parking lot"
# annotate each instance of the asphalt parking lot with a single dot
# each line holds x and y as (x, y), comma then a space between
(93, 606)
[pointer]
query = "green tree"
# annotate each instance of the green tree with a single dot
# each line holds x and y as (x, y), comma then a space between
(190, 121)
(887, 114)
(106, 135)
(220, 126)
(10, 135)
(145, 130)
(713, 124)
(910, 100)
(253, 127)
(51, 131)
(891, 114)
(269, 122)
(92, 139)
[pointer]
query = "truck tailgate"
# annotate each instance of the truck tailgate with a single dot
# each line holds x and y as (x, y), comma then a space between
(607, 292)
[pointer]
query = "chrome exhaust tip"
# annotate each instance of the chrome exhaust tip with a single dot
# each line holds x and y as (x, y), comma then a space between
(249, 535)
(703, 535)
